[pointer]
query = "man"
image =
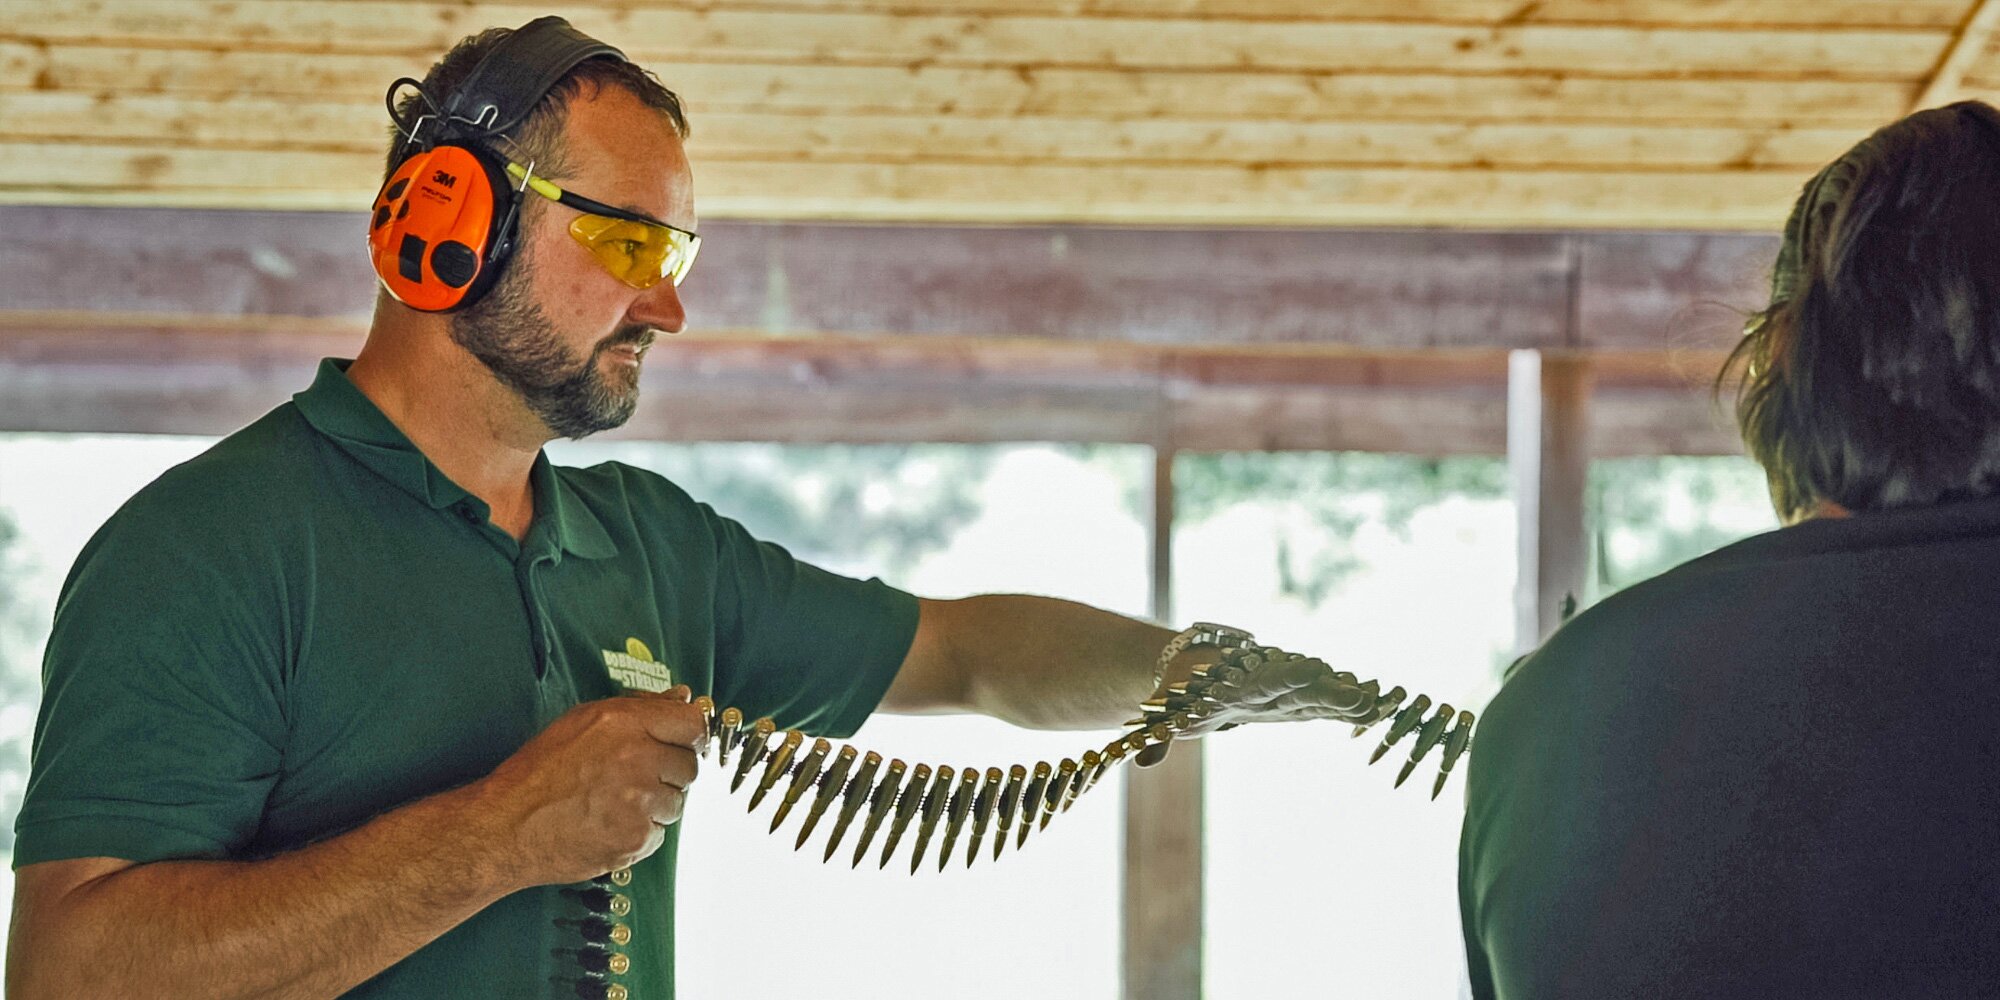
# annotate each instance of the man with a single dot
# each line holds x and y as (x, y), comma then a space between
(329, 708)
(1771, 772)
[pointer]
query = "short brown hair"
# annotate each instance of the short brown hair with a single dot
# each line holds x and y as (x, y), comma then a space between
(539, 137)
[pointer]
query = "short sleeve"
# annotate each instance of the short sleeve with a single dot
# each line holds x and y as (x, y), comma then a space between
(813, 650)
(161, 728)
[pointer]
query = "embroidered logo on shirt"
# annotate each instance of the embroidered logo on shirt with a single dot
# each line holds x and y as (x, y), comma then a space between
(635, 668)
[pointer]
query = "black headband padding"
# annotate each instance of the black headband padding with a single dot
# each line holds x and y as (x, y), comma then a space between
(506, 85)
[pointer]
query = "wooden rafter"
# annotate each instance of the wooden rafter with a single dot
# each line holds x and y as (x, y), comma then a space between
(1966, 49)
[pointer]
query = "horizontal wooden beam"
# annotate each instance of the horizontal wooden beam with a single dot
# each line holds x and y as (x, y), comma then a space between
(61, 374)
(196, 321)
(255, 124)
(94, 174)
(1371, 290)
(1932, 15)
(1913, 14)
(918, 86)
(1664, 292)
(673, 34)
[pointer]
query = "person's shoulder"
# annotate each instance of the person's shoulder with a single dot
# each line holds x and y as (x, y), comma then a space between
(639, 505)
(1639, 627)
(615, 484)
(217, 498)
(1697, 587)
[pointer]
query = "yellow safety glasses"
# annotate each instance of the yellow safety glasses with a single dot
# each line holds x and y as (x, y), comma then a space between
(630, 247)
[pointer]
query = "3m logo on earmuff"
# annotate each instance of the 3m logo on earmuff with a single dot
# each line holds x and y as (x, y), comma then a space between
(434, 234)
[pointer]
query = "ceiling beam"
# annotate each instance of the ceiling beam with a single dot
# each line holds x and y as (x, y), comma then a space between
(1967, 47)
(1359, 290)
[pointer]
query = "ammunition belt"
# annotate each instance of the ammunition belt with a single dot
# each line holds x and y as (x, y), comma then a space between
(1018, 799)
(1008, 803)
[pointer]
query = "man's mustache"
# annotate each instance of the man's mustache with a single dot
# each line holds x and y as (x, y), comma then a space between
(634, 336)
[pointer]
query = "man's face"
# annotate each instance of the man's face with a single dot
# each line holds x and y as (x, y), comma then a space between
(557, 329)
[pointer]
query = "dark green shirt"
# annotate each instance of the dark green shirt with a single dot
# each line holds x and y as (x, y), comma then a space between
(308, 625)
(1769, 773)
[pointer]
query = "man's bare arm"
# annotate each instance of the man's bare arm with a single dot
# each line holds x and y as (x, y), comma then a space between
(1051, 664)
(592, 793)
(1036, 662)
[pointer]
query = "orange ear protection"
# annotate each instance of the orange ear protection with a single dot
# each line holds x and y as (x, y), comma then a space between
(444, 222)
(442, 225)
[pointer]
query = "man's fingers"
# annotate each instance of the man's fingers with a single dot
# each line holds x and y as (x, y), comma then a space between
(666, 808)
(672, 721)
(1326, 698)
(681, 767)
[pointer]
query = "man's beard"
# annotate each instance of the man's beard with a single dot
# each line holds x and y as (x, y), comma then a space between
(511, 335)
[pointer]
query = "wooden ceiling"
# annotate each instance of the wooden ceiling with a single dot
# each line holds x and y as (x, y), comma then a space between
(1677, 114)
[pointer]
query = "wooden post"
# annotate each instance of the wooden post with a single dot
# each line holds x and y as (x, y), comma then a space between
(1548, 459)
(1163, 835)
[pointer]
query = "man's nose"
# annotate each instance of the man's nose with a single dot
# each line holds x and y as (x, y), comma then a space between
(660, 307)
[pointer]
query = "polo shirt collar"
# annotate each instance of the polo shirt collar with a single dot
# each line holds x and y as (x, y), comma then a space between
(336, 408)
(577, 529)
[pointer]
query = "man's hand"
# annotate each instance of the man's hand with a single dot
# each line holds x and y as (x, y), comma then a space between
(1274, 686)
(596, 790)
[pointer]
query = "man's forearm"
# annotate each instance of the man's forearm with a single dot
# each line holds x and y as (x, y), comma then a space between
(311, 923)
(1051, 664)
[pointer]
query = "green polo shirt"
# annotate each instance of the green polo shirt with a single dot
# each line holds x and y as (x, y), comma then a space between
(309, 624)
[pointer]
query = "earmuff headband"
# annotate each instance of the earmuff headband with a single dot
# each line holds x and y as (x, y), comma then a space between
(505, 86)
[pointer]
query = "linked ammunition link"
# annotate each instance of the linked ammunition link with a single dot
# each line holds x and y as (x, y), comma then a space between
(890, 798)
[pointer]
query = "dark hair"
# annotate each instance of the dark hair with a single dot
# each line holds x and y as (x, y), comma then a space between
(1873, 378)
(539, 137)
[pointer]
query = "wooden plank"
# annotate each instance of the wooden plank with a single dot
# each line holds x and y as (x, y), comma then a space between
(1469, 421)
(82, 373)
(1670, 291)
(1384, 289)
(65, 173)
(186, 263)
(249, 122)
(1363, 289)
(1939, 15)
(1968, 48)
(1632, 423)
(897, 139)
(1914, 14)
(234, 121)
(673, 34)
(1282, 196)
(916, 87)
(1161, 286)
(266, 176)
